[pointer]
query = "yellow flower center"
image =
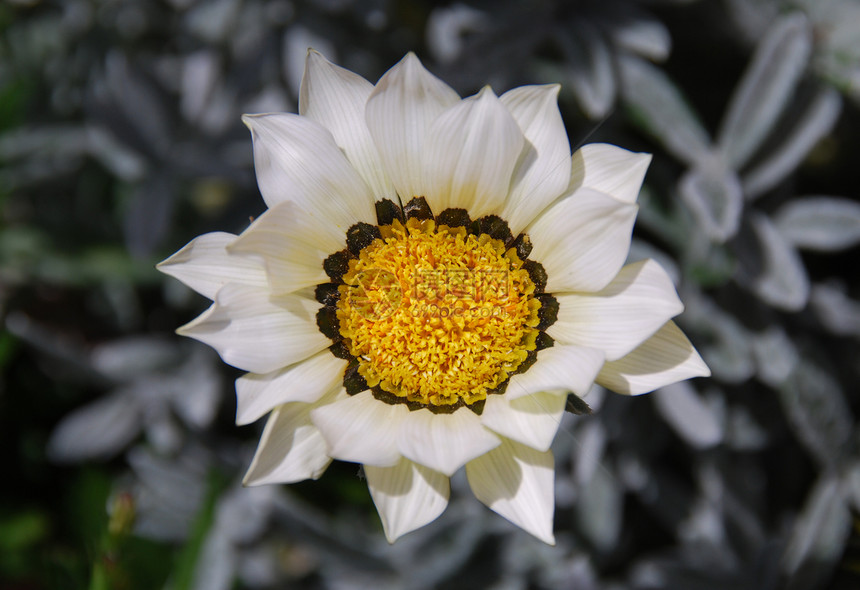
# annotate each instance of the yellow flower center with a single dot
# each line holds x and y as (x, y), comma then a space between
(436, 315)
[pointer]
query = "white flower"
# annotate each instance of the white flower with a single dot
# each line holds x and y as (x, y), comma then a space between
(432, 278)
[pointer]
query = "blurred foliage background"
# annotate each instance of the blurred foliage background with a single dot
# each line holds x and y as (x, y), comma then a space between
(120, 141)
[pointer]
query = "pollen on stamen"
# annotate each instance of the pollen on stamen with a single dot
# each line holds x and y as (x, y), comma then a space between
(437, 315)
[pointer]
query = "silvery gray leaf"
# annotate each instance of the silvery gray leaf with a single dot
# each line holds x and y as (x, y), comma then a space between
(818, 536)
(715, 198)
(641, 34)
(98, 430)
(689, 415)
(169, 491)
(589, 69)
(814, 403)
(772, 268)
(212, 21)
(807, 130)
(216, 565)
(140, 101)
(572, 572)
(590, 443)
(658, 105)
(196, 390)
(243, 513)
(775, 355)
(446, 27)
(728, 351)
(751, 18)
(705, 522)
(129, 358)
(766, 87)
(743, 433)
(147, 217)
(839, 313)
(198, 79)
(163, 433)
(851, 482)
(821, 223)
(114, 155)
(599, 509)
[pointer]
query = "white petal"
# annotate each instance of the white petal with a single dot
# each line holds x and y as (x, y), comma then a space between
(444, 442)
(664, 358)
(469, 156)
(290, 450)
(205, 266)
(361, 429)
(621, 316)
(532, 419)
(407, 496)
(561, 369)
(297, 160)
(336, 98)
(610, 170)
(543, 170)
(582, 240)
(405, 101)
(258, 333)
(516, 482)
(305, 381)
(293, 244)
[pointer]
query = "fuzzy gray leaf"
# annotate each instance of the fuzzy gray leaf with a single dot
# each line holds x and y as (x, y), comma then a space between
(598, 510)
(642, 34)
(590, 70)
(775, 355)
(815, 122)
(815, 406)
(98, 430)
(765, 89)
(839, 313)
(825, 224)
(713, 194)
(780, 279)
(658, 105)
(689, 415)
(818, 537)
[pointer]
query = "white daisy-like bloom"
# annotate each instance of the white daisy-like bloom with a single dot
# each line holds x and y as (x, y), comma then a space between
(432, 279)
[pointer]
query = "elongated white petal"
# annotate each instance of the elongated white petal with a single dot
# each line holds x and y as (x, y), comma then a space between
(256, 332)
(582, 240)
(336, 98)
(532, 419)
(205, 266)
(444, 442)
(305, 381)
(469, 156)
(290, 450)
(559, 369)
(621, 316)
(361, 429)
(610, 170)
(666, 357)
(405, 101)
(297, 160)
(293, 243)
(407, 496)
(543, 170)
(516, 482)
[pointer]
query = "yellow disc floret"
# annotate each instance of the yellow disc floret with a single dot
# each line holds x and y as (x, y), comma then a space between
(437, 315)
